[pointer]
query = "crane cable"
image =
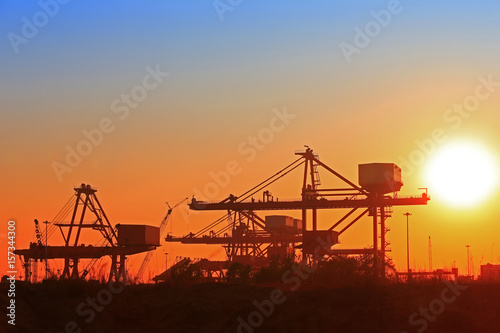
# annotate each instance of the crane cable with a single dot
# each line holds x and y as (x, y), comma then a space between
(249, 193)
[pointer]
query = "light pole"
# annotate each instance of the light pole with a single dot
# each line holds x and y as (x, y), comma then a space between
(166, 260)
(46, 244)
(468, 261)
(408, 244)
(492, 252)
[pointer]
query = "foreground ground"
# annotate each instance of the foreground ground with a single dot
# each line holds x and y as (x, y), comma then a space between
(436, 307)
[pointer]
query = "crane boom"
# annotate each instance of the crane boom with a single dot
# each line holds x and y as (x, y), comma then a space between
(149, 254)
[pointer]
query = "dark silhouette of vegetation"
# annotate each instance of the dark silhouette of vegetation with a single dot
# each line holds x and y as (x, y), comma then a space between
(338, 271)
(344, 271)
(273, 273)
(215, 307)
(239, 273)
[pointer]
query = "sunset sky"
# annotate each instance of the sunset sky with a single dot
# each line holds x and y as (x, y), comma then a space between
(221, 74)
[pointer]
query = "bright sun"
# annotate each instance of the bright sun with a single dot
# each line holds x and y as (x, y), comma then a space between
(462, 174)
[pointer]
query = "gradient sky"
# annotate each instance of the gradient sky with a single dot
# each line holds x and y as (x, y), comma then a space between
(225, 79)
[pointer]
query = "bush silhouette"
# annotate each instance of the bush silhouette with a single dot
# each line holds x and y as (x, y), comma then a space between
(274, 271)
(239, 273)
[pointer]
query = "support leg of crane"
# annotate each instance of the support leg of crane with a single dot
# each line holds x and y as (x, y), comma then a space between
(26, 266)
(27, 269)
(123, 269)
(304, 228)
(74, 273)
(113, 269)
(118, 271)
(65, 273)
(315, 219)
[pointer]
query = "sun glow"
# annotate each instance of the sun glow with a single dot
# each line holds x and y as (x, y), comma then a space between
(462, 174)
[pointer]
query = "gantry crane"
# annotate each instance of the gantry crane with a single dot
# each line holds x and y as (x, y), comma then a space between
(87, 213)
(249, 239)
(149, 254)
(34, 263)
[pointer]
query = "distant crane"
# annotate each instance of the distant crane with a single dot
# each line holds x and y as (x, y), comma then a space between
(34, 268)
(149, 254)
(39, 242)
(92, 262)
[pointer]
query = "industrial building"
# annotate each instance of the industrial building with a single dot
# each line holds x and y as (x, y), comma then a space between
(490, 273)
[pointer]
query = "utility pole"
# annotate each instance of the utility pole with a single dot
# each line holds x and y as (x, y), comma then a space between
(468, 261)
(408, 244)
(492, 252)
(430, 254)
(166, 260)
(46, 244)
